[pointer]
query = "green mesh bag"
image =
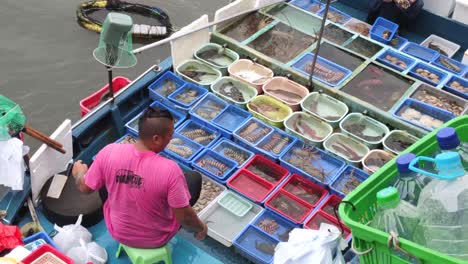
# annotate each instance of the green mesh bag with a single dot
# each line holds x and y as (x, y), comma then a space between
(12, 119)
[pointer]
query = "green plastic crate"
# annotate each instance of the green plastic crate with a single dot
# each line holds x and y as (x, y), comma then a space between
(363, 198)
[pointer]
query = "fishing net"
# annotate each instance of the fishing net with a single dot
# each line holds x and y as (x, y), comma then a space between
(12, 119)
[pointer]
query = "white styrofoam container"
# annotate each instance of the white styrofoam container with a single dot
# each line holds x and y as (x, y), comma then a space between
(461, 11)
(448, 46)
(465, 57)
(438, 7)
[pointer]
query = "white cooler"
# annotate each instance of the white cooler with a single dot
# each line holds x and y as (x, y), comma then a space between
(439, 7)
(461, 11)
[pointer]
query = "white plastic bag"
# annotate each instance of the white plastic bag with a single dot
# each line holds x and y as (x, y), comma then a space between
(69, 236)
(86, 253)
(12, 165)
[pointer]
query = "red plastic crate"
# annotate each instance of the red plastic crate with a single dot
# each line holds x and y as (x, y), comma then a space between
(329, 204)
(88, 103)
(303, 209)
(275, 171)
(304, 189)
(46, 254)
(320, 217)
(250, 185)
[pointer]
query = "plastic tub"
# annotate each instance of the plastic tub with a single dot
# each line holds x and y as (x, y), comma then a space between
(230, 119)
(333, 74)
(274, 225)
(214, 165)
(396, 60)
(193, 67)
(46, 254)
(441, 99)
(375, 159)
(311, 6)
(366, 129)
(275, 144)
(274, 118)
(233, 204)
(417, 71)
(34, 241)
(199, 133)
(289, 206)
(221, 64)
(207, 109)
(426, 116)
(447, 46)
(397, 42)
(286, 91)
(354, 151)
(267, 170)
(250, 185)
(383, 27)
(335, 15)
(320, 217)
(325, 107)
(420, 52)
(249, 242)
(164, 86)
(348, 180)
(308, 128)
(304, 189)
(187, 95)
(456, 90)
(254, 74)
(311, 162)
(232, 151)
(182, 149)
(251, 132)
(208, 197)
(450, 65)
(329, 205)
(248, 92)
(398, 140)
(358, 26)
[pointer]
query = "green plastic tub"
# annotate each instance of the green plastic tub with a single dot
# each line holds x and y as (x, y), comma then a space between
(248, 92)
(195, 65)
(221, 63)
(274, 118)
(373, 242)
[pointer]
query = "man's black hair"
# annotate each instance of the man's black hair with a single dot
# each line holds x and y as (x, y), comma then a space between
(154, 121)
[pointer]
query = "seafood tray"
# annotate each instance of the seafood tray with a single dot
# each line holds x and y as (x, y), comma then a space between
(364, 47)
(376, 159)
(294, 17)
(267, 170)
(320, 217)
(46, 254)
(252, 73)
(441, 99)
(164, 86)
(308, 128)
(269, 110)
(450, 65)
(127, 139)
(358, 26)
(422, 115)
(286, 91)
(198, 72)
(325, 107)
(274, 225)
(40, 236)
(328, 206)
(383, 30)
(441, 45)
(251, 132)
(336, 34)
(233, 204)
(250, 185)
(234, 91)
(312, 162)
(366, 129)
(230, 119)
(398, 140)
(396, 60)
(198, 133)
(348, 180)
(209, 192)
(182, 149)
(289, 206)
(187, 95)
(308, 5)
(214, 165)
(457, 86)
(304, 190)
(275, 144)
(420, 52)
(339, 56)
(232, 151)
(245, 27)
(216, 56)
(325, 71)
(256, 246)
(346, 147)
(223, 225)
(207, 109)
(335, 16)
(397, 42)
(427, 73)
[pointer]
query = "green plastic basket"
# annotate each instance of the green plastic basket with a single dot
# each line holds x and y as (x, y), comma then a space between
(372, 242)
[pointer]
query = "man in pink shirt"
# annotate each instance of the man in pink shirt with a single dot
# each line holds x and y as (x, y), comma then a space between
(149, 198)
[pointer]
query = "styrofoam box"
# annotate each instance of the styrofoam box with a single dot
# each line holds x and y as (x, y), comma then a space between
(460, 13)
(448, 46)
(438, 7)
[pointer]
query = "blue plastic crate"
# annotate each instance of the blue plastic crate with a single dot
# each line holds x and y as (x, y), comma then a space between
(212, 171)
(328, 164)
(458, 64)
(407, 60)
(341, 180)
(207, 109)
(380, 26)
(249, 240)
(199, 133)
(39, 238)
(222, 145)
(425, 109)
(413, 72)
(461, 81)
(230, 119)
(310, 6)
(344, 17)
(275, 144)
(188, 89)
(397, 42)
(420, 52)
(302, 62)
(181, 143)
(156, 91)
(124, 136)
(284, 225)
(251, 132)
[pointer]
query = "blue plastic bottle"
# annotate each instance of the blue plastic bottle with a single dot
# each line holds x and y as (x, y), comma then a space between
(449, 141)
(408, 182)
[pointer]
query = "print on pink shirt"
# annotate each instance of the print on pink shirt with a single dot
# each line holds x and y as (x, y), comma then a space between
(128, 177)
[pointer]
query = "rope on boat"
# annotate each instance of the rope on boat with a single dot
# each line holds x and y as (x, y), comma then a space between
(139, 30)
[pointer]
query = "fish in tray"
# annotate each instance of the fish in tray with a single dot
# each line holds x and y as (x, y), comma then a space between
(286, 96)
(302, 127)
(214, 56)
(449, 65)
(437, 47)
(265, 247)
(267, 110)
(346, 151)
(196, 74)
(187, 96)
(167, 88)
(230, 90)
(253, 77)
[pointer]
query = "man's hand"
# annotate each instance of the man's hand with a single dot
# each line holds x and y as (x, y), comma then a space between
(79, 170)
(202, 234)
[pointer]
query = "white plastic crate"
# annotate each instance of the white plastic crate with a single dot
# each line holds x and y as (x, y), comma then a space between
(461, 11)
(448, 46)
(438, 7)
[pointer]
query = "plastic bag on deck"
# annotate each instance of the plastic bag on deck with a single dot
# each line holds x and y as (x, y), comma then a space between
(69, 236)
(12, 165)
(86, 253)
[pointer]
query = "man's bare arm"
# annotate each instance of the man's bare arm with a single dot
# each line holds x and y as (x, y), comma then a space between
(187, 217)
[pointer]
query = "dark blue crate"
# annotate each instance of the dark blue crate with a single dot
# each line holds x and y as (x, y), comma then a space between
(208, 154)
(284, 225)
(301, 63)
(37, 236)
(330, 165)
(198, 92)
(345, 17)
(191, 125)
(401, 41)
(209, 104)
(462, 81)
(460, 65)
(420, 52)
(308, 5)
(407, 60)
(224, 144)
(244, 140)
(194, 147)
(266, 140)
(380, 26)
(424, 108)
(230, 119)
(344, 176)
(420, 65)
(248, 241)
(156, 87)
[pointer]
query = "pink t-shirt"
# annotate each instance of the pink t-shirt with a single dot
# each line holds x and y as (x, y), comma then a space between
(143, 187)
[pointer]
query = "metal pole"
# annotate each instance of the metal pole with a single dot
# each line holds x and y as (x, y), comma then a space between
(111, 88)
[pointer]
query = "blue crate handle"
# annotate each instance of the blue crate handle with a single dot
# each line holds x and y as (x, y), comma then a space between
(443, 161)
